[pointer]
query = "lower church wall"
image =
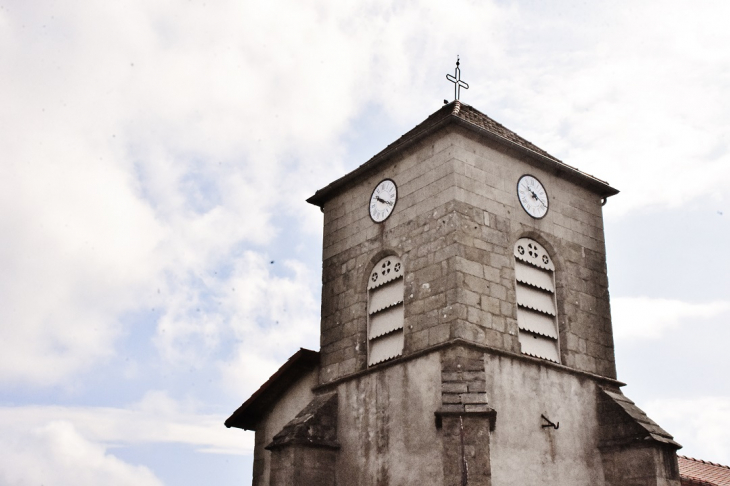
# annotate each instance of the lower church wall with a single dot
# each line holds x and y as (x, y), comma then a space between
(386, 426)
(459, 413)
(287, 407)
(525, 453)
(388, 434)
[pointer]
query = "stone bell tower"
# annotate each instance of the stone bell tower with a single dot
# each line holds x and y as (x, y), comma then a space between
(465, 332)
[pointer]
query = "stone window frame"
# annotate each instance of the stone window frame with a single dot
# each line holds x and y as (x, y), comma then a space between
(536, 295)
(385, 310)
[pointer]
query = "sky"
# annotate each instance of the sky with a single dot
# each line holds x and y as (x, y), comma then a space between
(159, 260)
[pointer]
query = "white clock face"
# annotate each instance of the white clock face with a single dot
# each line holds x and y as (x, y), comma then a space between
(383, 200)
(532, 196)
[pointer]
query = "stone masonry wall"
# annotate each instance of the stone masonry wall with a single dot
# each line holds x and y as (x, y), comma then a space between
(353, 243)
(463, 382)
(572, 232)
(454, 225)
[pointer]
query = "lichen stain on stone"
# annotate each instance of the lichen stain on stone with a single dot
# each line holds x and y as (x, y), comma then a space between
(362, 417)
(382, 414)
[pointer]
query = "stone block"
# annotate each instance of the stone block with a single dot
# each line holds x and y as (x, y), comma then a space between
(492, 274)
(493, 338)
(478, 316)
(473, 371)
(490, 304)
(468, 267)
(476, 407)
(498, 291)
(450, 398)
(454, 387)
(477, 385)
(453, 312)
(507, 309)
(477, 285)
(468, 331)
(438, 334)
(474, 398)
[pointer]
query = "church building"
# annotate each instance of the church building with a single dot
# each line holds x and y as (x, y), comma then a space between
(465, 332)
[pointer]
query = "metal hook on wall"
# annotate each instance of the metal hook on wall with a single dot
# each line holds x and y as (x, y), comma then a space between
(549, 423)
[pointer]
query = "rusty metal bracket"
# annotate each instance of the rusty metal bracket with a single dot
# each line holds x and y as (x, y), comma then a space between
(549, 423)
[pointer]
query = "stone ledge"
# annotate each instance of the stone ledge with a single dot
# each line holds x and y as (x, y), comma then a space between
(481, 347)
(489, 414)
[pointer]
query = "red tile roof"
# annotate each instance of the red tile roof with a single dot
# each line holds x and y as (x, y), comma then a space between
(695, 472)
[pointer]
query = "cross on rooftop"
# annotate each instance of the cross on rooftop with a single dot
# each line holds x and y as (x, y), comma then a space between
(456, 79)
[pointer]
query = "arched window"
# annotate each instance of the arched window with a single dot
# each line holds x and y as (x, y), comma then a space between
(385, 310)
(536, 309)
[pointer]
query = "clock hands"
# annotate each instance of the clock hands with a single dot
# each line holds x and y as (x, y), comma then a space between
(536, 197)
(383, 200)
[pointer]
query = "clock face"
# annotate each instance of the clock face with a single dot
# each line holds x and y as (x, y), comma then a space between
(383, 200)
(532, 196)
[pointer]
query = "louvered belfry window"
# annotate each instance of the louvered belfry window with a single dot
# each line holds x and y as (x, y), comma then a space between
(385, 310)
(536, 310)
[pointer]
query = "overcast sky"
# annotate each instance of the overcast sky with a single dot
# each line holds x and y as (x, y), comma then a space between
(159, 261)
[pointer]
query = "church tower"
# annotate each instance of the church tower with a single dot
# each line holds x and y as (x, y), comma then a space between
(465, 333)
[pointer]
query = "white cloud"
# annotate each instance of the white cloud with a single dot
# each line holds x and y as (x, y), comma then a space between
(271, 318)
(632, 93)
(156, 419)
(700, 424)
(259, 316)
(145, 148)
(56, 453)
(149, 143)
(645, 318)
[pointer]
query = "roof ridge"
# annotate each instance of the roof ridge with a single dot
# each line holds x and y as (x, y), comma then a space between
(466, 116)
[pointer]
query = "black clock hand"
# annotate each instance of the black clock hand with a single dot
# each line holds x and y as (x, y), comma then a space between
(537, 198)
(379, 199)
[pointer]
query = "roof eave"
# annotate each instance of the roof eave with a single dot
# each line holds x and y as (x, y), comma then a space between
(322, 195)
(559, 168)
(247, 415)
(602, 188)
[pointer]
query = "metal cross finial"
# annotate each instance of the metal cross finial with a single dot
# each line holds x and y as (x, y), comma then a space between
(456, 79)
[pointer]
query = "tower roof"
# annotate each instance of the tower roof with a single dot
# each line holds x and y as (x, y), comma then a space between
(466, 116)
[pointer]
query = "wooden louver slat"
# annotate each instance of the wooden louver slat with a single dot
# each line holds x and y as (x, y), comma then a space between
(385, 348)
(386, 296)
(385, 310)
(535, 299)
(386, 321)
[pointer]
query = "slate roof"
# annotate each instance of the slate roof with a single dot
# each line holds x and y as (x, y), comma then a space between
(472, 119)
(479, 119)
(249, 413)
(642, 427)
(316, 425)
(695, 472)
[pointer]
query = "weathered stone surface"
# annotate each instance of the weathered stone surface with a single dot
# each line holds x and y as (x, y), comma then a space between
(455, 222)
(315, 425)
(298, 464)
(466, 456)
(622, 422)
(429, 416)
